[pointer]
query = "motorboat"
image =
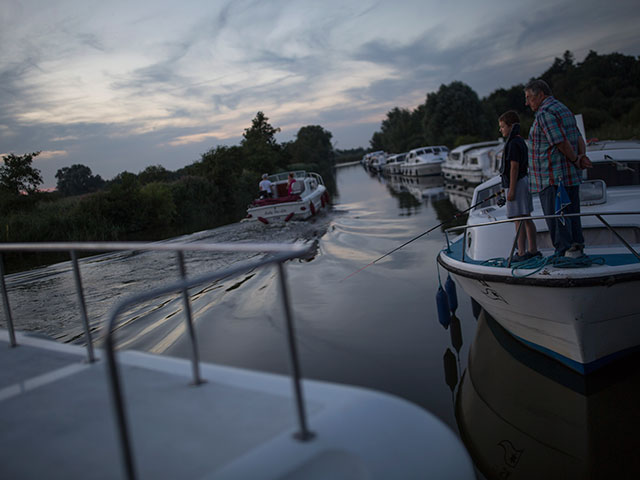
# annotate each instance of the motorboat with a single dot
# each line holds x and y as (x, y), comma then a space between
(583, 312)
(378, 161)
(308, 196)
(393, 162)
(424, 161)
(472, 163)
(69, 411)
(374, 160)
(523, 416)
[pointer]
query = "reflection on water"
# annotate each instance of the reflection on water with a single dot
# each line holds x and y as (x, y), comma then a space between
(459, 194)
(522, 415)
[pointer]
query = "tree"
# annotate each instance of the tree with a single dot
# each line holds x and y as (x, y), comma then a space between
(18, 176)
(77, 180)
(154, 173)
(313, 145)
(454, 111)
(261, 151)
(222, 166)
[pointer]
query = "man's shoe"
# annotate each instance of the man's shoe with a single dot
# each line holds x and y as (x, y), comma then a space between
(576, 251)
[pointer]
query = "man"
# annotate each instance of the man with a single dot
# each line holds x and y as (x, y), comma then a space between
(266, 187)
(556, 156)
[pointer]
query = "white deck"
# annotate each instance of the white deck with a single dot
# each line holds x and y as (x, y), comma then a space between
(57, 421)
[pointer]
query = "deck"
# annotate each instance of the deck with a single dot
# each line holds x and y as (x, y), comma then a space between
(57, 420)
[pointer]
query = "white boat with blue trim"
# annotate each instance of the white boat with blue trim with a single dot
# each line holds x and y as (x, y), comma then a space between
(583, 312)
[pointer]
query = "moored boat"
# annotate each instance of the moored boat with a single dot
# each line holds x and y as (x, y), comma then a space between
(424, 161)
(308, 195)
(393, 163)
(470, 163)
(583, 312)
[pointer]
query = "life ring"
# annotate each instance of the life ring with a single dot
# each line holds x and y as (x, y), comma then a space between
(263, 220)
(288, 217)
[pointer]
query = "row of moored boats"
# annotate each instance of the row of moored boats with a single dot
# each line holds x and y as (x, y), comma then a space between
(582, 312)
(471, 163)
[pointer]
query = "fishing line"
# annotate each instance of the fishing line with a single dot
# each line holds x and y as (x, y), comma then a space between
(498, 193)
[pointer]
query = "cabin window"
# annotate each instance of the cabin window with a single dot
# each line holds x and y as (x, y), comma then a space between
(484, 194)
(427, 151)
(473, 160)
(593, 192)
(616, 173)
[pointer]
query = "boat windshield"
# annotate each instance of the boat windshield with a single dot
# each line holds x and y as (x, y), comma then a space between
(482, 198)
(616, 173)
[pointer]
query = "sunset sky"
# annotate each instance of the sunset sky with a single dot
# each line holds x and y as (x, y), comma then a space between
(120, 85)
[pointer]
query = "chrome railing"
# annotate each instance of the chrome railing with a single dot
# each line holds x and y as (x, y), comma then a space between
(280, 253)
(599, 216)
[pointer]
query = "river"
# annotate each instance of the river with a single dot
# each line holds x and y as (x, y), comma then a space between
(375, 327)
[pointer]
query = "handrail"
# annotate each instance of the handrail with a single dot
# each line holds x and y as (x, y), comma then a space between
(281, 253)
(72, 247)
(598, 215)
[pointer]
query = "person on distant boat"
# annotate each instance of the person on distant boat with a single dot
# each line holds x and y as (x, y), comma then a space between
(513, 171)
(290, 183)
(266, 187)
(556, 157)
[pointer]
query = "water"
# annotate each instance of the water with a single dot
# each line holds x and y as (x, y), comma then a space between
(375, 326)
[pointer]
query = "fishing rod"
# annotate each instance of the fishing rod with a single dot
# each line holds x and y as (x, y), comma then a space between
(498, 193)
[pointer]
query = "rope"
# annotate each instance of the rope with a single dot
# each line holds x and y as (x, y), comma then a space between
(535, 264)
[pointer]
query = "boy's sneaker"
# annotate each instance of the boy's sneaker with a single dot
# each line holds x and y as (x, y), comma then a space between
(519, 258)
(576, 251)
(529, 255)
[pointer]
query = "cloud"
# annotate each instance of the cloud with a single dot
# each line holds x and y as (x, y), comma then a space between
(121, 82)
(47, 154)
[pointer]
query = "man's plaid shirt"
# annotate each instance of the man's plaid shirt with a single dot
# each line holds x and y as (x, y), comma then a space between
(553, 124)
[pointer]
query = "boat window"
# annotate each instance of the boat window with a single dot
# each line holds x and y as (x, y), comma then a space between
(616, 173)
(473, 161)
(484, 194)
(593, 192)
(427, 151)
(455, 156)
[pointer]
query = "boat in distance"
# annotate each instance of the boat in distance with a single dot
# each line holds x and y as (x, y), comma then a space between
(584, 312)
(308, 195)
(423, 161)
(472, 163)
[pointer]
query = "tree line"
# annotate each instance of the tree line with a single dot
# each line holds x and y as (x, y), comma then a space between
(154, 203)
(604, 88)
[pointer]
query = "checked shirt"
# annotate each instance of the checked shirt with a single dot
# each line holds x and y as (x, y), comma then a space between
(553, 124)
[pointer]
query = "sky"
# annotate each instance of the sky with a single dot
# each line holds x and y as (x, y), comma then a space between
(121, 85)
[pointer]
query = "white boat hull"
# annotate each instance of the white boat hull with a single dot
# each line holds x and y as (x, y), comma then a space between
(301, 207)
(579, 318)
(422, 169)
